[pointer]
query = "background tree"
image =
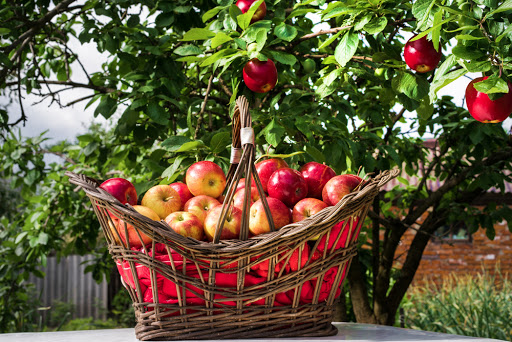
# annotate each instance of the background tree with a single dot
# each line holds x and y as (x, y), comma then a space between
(344, 97)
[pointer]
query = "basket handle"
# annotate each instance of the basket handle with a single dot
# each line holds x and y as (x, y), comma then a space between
(245, 137)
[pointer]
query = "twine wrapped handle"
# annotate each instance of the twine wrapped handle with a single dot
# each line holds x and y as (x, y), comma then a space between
(243, 135)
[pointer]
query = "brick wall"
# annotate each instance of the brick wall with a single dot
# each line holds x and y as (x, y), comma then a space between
(441, 259)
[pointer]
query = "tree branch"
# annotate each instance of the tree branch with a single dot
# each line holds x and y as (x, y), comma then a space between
(200, 118)
(322, 32)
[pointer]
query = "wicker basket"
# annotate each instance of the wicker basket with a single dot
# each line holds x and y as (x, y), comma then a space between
(280, 284)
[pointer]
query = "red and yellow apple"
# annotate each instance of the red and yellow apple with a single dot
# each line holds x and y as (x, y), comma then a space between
(231, 227)
(241, 184)
(316, 176)
(186, 224)
(258, 222)
(200, 206)
(307, 207)
(483, 109)
(182, 190)
(267, 167)
(205, 178)
(288, 186)
(126, 229)
(121, 189)
(162, 199)
(238, 200)
(339, 186)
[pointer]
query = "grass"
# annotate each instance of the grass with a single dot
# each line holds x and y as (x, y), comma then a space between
(478, 306)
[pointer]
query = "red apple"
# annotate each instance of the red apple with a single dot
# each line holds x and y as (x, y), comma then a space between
(186, 224)
(420, 55)
(266, 168)
(260, 77)
(260, 13)
(316, 176)
(241, 183)
(206, 178)
(121, 189)
(339, 186)
(287, 185)
(232, 223)
(162, 199)
(182, 190)
(307, 207)
(238, 200)
(125, 228)
(200, 206)
(483, 109)
(258, 223)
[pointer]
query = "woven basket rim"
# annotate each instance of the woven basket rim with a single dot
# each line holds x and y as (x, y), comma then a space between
(343, 208)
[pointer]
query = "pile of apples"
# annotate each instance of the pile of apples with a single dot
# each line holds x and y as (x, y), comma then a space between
(193, 208)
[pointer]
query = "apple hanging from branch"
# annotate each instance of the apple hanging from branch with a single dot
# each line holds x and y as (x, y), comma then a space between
(420, 55)
(485, 110)
(259, 76)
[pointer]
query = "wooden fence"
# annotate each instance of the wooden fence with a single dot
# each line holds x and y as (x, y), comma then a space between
(66, 281)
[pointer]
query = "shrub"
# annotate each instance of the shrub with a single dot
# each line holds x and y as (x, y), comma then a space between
(477, 306)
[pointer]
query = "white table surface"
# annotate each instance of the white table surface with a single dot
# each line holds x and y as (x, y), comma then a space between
(347, 332)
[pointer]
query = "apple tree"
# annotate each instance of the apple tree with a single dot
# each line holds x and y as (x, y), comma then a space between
(344, 97)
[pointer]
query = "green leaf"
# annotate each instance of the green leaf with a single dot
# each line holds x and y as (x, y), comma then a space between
(492, 85)
(107, 107)
(436, 33)
(466, 52)
(212, 13)
(90, 148)
(218, 55)
(273, 133)
(300, 12)
(467, 37)
(198, 34)
(220, 141)
(475, 66)
(434, 27)
(173, 143)
(414, 87)
(282, 156)
(421, 11)
(361, 22)
(330, 40)
(504, 34)
(4, 31)
(376, 25)
(336, 12)
(285, 32)
(443, 80)
(315, 153)
(187, 50)
(171, 172)
(189, 146)
(20, 237)
(505, 6)
(283, 57)
(219, 39)
(43, 238)
(164, 19)
(261, 39)
(157, 113)
(346, 48)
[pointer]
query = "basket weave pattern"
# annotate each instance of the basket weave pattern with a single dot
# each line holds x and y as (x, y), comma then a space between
(187, 289)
